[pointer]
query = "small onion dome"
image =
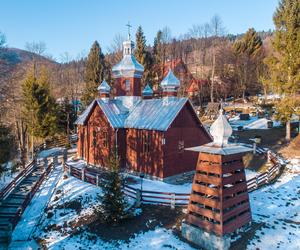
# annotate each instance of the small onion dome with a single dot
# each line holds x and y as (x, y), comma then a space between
(148, 91)
(221, 130)
(104, 87)
(170, 82)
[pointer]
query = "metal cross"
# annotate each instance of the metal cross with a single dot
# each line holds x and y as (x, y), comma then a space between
(128, 26)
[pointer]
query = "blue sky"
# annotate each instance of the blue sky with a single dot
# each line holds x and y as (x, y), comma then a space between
(72, 25)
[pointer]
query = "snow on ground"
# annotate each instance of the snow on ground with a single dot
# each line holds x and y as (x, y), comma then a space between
(253, 123)
(34, 210)
(7, 176)
(51, 152)
(278, 207)
(156, 185)
(250, 174)
(74, 189)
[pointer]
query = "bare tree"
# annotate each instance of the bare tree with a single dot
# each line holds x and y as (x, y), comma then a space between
(217, 30)
(36, 47)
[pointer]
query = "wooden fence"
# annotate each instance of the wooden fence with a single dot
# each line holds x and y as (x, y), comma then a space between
(30, 195)
(23, 174)
(170, 198)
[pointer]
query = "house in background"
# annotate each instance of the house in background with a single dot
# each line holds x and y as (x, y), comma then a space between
(149, 134)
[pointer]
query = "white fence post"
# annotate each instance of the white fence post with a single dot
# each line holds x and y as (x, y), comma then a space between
(65, 157)
(82, 174)
(269, 156)
(45, 162)
(256, 182)
(138, 198)
(173, 201)
(97, 180)
(55, 161)
(254, 148)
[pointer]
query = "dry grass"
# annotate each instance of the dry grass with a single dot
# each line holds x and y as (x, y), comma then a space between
(293, 149)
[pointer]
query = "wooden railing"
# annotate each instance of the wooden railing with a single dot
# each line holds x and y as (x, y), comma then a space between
(170, 198)
(11, 186)
(30, 195)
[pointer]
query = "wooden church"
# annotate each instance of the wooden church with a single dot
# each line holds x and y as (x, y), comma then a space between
(149, 134)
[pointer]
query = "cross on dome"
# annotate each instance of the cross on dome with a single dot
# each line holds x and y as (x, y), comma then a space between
(129, 26)
(221, 130)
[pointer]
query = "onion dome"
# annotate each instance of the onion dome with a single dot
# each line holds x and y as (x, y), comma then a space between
(148, 91)
(104, 88)
(221, 130)
(170, 82)
(128, 66)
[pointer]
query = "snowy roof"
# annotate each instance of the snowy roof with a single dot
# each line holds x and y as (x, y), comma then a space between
(170, 80)
(104, 87)
(153, 114)
(148, 91)
(128, 66)
(221, 130)
(229, 149)
(81, 119)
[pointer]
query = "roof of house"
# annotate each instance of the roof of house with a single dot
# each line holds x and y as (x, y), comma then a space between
(151, 114)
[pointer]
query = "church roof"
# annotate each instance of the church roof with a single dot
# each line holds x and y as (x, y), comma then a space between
(147, 91)
(153, 114)
(127, 65)
(104, 87)
(170, 80)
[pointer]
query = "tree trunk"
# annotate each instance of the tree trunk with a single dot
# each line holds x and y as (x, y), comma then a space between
(212, 77)
(288, 130)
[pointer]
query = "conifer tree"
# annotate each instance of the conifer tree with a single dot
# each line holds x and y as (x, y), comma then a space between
(142, 55)
(113, 203)
(39, 107)
(157, 56)
(284, 64)
(140, 51)
(94, 73)
(247, 51)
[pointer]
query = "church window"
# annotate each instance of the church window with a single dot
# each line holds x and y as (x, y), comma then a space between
(105, 139)
(127, 85)
(146, 142)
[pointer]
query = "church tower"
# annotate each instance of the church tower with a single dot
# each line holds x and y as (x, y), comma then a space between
(128, 72)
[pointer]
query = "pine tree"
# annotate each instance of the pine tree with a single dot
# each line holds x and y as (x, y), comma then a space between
(247, 50)
(142, 55)
(39, 107)
(284, 64)
(6, 144)
(94, 73)
(113, 202)
(157, 56)
(140, 51)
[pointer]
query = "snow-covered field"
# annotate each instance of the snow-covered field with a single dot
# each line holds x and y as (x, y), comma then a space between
(253, 123)
(275, 209)
(278, 207)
